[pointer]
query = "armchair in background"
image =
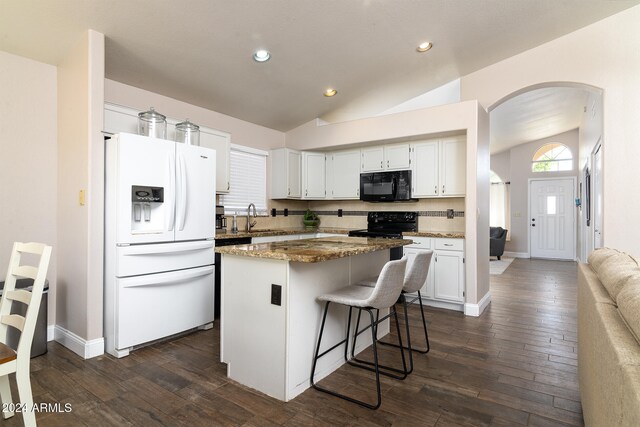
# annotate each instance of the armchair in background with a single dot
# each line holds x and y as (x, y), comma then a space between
(497, 239)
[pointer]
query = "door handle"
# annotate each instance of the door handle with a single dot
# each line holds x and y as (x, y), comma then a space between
(533, 225)
(172, 191)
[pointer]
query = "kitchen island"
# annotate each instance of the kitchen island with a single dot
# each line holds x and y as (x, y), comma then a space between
(270, 318)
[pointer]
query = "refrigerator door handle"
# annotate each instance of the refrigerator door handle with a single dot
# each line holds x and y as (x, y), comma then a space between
(183, 191)
(171, 193)
(169, 278)
(162, 249)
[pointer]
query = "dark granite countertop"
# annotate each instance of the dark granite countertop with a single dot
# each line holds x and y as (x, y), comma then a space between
(313, 250)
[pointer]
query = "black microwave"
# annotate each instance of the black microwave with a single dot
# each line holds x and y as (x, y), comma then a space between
(385, 186)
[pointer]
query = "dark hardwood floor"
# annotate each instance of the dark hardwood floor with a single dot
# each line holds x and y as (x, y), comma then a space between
(514, 365)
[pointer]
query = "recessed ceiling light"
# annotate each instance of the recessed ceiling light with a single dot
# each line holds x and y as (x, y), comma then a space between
(261, 55)
(330, 92)
(423, 47)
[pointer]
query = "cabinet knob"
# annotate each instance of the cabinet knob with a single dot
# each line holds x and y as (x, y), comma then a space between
(381, 164)
(289, 192)
(306, 192)
(435, 189)
(443, 189)
(228, 186)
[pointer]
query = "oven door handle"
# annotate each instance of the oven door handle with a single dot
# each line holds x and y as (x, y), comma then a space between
(393, 187)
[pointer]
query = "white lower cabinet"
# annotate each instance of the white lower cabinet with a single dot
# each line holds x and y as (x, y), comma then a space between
(445, 283)
(449, 276)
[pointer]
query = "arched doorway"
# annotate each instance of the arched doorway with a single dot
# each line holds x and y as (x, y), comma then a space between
(536, 114)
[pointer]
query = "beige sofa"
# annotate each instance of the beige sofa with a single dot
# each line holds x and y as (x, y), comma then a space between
(608, 338)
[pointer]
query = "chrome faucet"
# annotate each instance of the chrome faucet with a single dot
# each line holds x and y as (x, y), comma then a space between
(255, 215)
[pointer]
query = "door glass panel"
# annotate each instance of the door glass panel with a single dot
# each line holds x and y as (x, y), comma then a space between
(551, 205)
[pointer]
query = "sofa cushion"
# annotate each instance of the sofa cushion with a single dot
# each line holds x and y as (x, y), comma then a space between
(590, 289)
(629, 306)
(599, 255)
(616, 271)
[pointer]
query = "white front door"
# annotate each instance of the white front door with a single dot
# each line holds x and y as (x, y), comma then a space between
(597, 198)
(551, 219)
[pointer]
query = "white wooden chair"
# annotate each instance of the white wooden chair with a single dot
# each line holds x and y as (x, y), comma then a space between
(18, 361)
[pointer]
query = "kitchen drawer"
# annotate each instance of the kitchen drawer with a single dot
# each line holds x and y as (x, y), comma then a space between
(420, 242)
(449, 244)
(155, 306)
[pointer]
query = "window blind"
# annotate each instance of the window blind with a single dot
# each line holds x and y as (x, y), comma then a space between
(248, 174)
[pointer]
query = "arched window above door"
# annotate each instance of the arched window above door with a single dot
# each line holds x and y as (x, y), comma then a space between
(554, 157)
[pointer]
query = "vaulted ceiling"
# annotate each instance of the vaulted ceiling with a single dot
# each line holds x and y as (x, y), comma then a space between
(200, 51)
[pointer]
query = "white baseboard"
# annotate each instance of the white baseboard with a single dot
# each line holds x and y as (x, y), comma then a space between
(51, 332)
(442, 304)
(477, 309)
(80, 346)
(517, 254)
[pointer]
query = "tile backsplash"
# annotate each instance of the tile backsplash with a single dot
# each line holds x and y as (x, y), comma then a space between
(433, 213)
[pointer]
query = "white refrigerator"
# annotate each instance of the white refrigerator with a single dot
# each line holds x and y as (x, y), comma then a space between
(159, 240)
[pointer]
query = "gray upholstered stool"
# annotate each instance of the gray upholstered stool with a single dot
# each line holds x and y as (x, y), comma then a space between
(414, 279)
(383, 295)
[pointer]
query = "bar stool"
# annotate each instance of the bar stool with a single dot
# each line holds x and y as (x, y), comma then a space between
(414, 279)
(383, 295)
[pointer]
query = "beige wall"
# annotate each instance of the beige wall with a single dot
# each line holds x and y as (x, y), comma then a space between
(481, 217)
(79, 228)
(28, 167)
(242, 132)
(519, 173)
(605, 55)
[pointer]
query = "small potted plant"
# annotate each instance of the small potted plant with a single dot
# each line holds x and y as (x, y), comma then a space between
(310, 219)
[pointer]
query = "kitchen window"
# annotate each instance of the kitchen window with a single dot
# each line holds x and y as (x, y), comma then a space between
(248, 171)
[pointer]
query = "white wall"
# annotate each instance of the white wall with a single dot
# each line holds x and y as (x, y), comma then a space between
(589, 136)
(28, 167)
(242, 132)
(80, 167)
(605, 55)
(519, 172)
(501, 165)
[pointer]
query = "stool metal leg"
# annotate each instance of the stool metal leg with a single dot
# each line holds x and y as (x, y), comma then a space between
(384, 370)
(345, 341)
(409, 347)
(424, 326)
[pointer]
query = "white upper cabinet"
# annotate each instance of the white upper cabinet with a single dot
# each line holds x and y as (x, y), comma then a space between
(397, 157)
(425, 170)
(285, 173)
(439, 167)
(221, 142)
(453, 160)
(372, 159)
(119, 119)
(343, 175)
(386, 157)
(313, 175)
